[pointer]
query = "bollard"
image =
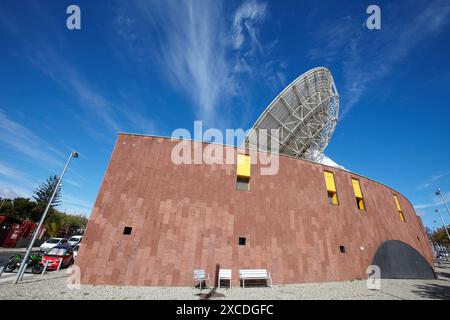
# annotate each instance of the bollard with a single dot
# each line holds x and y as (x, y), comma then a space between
(19, 272)
(45, 267)
(1, 270)
(23, 271)
(60, 263)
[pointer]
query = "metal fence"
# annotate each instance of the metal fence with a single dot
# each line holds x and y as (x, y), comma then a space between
(24, 242)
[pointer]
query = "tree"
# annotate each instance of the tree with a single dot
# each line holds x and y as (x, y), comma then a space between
(440, 236)
(22, 208)
(18, 208)
(44, 192)
(53, 221)
(74, 221)
(6, 206)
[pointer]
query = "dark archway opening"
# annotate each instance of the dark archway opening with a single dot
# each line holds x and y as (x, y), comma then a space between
(398, 260)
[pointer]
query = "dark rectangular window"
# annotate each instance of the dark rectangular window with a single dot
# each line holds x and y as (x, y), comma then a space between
(243, 183)
(127, 230)
(242, 241)
(332, 197)
(342, 249)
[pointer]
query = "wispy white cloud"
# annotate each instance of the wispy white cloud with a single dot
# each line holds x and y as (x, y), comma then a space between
(431, 181)
(246, 20)
(436, 202)
(75, 205)
(192, 49)
(95, 110)
(439, 176)
(369, 56)
(11, 193)
(57, 68)
(24, 141)
(17, 176)
(201, 47)
(73, 183)
(70, 199)
(14, 184)
(252, 56)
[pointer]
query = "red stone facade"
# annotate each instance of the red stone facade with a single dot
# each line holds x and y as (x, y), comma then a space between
(186, 217)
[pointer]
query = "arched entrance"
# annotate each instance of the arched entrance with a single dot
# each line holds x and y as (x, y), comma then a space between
(398, 260)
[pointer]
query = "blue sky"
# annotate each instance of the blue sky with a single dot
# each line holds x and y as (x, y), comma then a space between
(154, 66)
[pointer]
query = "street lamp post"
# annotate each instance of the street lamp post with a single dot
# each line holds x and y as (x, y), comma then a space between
(443, 223)
(73, 154)
(440, 193)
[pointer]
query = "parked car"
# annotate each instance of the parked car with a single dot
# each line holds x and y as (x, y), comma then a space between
(74, 240)
(55, 255)
(75, 250)
(53, 242)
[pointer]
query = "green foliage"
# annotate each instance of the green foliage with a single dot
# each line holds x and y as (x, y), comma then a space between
(19, 208)
(440, 236)
(53, 222)
(44, 192)
(26, 209)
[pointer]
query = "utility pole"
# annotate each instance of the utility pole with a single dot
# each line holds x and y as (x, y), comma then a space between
(30, 247)
(440, 193)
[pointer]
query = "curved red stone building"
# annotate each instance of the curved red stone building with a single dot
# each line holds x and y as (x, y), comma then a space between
(185, 217)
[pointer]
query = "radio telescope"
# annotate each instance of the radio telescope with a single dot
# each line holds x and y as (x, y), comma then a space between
(305, 112)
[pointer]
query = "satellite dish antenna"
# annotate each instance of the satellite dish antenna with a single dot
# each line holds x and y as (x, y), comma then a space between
(305, 112)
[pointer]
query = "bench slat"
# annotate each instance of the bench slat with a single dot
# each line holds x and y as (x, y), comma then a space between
(254, 274)
(225, 273)
(199, 274)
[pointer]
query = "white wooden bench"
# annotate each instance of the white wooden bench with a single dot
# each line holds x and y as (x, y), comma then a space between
(255, 274)
(224, 274)
(201, 276)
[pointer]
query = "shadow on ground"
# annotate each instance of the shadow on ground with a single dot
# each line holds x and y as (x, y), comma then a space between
(212, 292)
(433, 291)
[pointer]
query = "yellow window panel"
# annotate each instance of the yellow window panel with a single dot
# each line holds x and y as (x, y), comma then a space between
(361, 204)
(329, 181)
(402, 216)
(335, 199)
(332, 197)
(397, 203)
(243, 165)
(357, 188)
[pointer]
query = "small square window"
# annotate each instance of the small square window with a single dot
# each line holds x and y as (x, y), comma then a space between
(342, 249)
(242, 241)
(243, 183)
(127, 230)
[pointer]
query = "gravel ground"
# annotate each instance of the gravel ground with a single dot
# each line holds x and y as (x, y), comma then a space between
(53, 286)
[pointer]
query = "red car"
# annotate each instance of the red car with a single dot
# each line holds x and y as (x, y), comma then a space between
(55, 255)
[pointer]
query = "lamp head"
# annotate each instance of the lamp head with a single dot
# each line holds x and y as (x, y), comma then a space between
(74, 154)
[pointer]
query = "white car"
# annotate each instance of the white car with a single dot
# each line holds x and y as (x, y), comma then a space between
(75, 250)
(74, 240)
(53, 242)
